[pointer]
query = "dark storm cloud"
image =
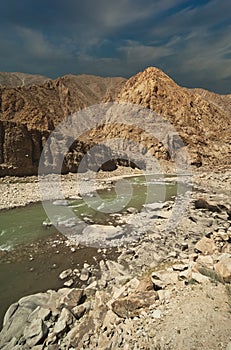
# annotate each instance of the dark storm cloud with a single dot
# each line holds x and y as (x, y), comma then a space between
(190, 40)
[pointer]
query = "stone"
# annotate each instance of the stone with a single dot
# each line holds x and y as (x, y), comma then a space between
(10, 312)
(40, 313)
(204, 261)
(92, 285)
(51, 339)
(18, 314)
(223, 269)
(71, 297)
(205, 265)
(32, 301)
(65, 274)
(185, 275)
(163, 278)
(115, 269)
(133, 284)
(131, 210)
(110, 319)
(145, 284)
(79, 310)
(221, 235)
(35, 332)
(94, 233)
(134, 304)
(205, 246)
(117, 293)
(84, 275)
(180, 267)
(157, 314)
(164, 295)
(69, 283)
(64, 321)
(11, 345)
(199, 278)
(154, 206)
(201, 203)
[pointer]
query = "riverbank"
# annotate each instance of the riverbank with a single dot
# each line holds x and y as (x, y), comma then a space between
(20, 191)
(168, 290)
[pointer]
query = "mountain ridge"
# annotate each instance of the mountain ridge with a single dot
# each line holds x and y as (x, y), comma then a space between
(201, 118)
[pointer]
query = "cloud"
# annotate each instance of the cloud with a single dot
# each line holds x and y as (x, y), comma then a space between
(208, 56)
(189, 40)
(36, 44)
(194, 18)
(135, 52)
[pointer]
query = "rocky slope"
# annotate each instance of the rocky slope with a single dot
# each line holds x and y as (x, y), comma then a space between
(222, 101)
(17, 79)
(202, 119)
(37, 109)
(166, 291)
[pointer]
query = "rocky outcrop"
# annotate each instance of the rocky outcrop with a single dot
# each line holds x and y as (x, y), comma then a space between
(20, 149)
(198, 120)
(41, 317)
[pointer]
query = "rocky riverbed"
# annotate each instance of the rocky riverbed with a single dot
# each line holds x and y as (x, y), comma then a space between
(20, 191)
(165, 291)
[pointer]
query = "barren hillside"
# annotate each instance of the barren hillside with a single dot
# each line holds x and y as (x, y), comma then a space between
(201, 118)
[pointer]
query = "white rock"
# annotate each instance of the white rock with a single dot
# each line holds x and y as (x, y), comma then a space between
(69, 283)
(156, 314)
(64, 274)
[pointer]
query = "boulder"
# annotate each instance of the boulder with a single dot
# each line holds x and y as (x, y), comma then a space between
(84, 275)
(199, 278)
(204, 263)
(29, 319)
(161, 279)
(69, 283)
(17, 315)
(64, 321)
(206, 246)
(201, 203)
(134, 304)
(70, 297)
(223, 269)
(35, 332)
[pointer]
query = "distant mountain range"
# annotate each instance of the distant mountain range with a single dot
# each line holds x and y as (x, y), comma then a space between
(17, 79)
(32, 105)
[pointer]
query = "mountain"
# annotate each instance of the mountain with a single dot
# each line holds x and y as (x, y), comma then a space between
(201, 118)
(17, 79)
(222, 101)
(44, 106)
(28, 113)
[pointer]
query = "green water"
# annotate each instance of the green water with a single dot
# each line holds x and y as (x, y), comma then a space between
(30, 252)
(25, 224)
(22, 225)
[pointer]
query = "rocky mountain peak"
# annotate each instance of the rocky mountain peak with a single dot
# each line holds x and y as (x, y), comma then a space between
(152, 81)
(198, 118)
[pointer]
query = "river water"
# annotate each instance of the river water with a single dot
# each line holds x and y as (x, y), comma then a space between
(32, 255)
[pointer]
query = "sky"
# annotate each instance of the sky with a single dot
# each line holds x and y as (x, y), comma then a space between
(189, 40)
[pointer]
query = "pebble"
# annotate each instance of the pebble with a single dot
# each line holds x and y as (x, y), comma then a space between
(68, 283)
(64, 274)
